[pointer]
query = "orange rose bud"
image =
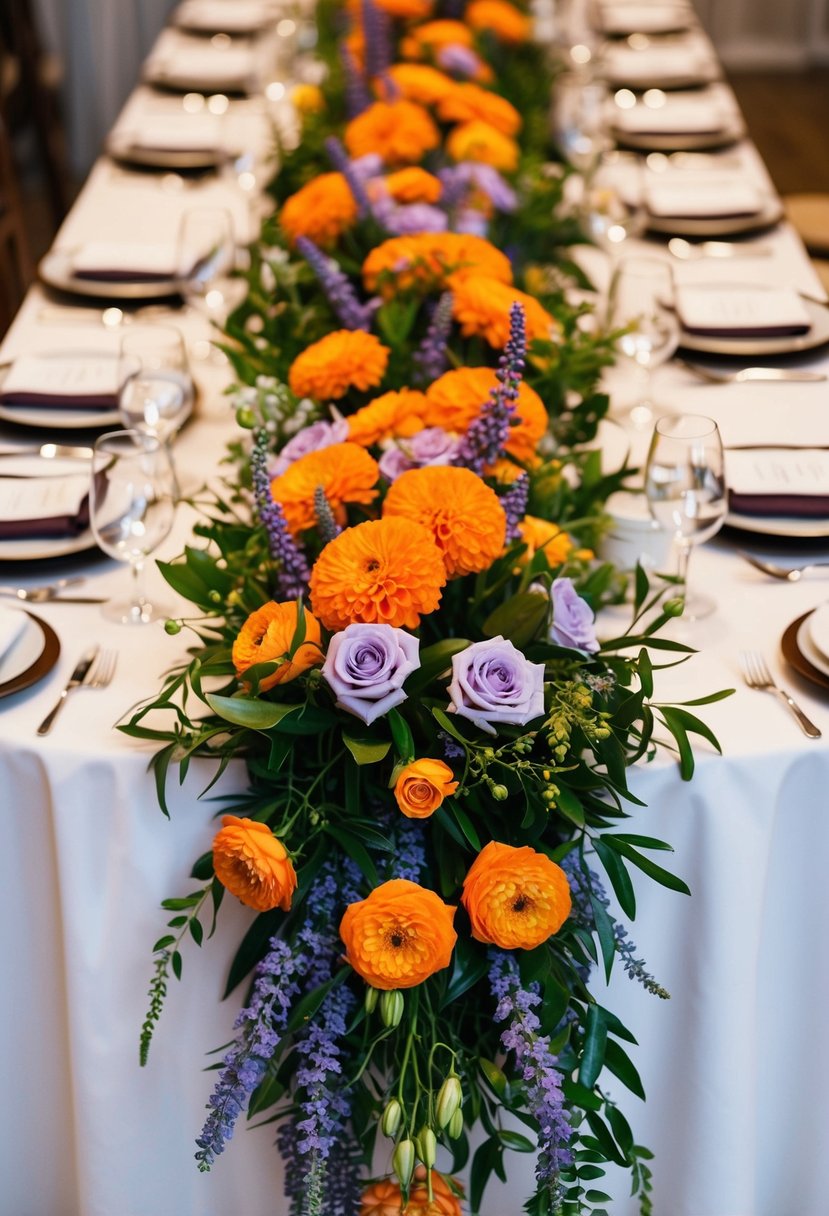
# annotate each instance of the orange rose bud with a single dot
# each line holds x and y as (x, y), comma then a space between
(422, 787)
(515, 898)
(253, 865)
(266, 636)
(399, 936)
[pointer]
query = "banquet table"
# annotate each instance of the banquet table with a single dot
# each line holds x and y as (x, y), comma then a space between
(735, 1065)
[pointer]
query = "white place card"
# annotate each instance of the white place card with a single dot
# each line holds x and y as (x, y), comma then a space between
(690, 196)
(101, 257)
(28, 498)
(696, 117)
(62, 376)
(174, 133)
(12, 626)
(776, 472)
(738, 312)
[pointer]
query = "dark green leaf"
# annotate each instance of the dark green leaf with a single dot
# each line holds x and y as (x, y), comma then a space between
(520, 619)
(620, 1064)
(646, 865)
(402, 735)
(618, 875)
(244, 711)
(356, 851)
(595, 1041)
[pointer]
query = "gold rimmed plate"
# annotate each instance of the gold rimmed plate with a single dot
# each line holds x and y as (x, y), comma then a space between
(31, 658)
(56, 270)
(708, 226)
(688, 141)
(763, 347)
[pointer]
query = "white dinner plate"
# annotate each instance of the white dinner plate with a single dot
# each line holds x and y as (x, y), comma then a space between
(37, 548)
(707, 226)
(689, 141)
(792, 526)
(818, 633)
(56, 270)
(808, 649)
(753, 348)
(121, 147)
(31, 658)
(621, 20)
(60, 417)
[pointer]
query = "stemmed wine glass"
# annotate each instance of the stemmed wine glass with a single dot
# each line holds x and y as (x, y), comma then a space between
(578, 123)
(206, 262)
(132, 504)
(686, 491)
(641, 302)
(156, 393)
(612, 205)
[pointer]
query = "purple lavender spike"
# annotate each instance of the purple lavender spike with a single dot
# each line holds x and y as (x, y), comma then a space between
(514, 502)
(293, 573)
(356, 94)
(337, 286)
(430, 359)
(339, 159)
(326, 523)
(487, 434)
(377, 42)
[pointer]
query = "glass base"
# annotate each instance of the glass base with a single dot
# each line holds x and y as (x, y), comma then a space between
(124, 612)
(698, 607)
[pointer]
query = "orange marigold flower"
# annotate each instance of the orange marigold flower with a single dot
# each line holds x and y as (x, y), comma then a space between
(266, 637)
(421, 83)
(387, 570)
(414, 185)
(432, 36)
(384, 1198)
(456, 397)
(544, 534)
(502, 19)
(307, 98)
(344, 359)
(460, 511)
(428, 259)
(344, 471)
(516, 898)
(422, 786)
(401, 132)
(399, 936)
(479, 141)
(469, 101)
(253, 865)
(322, 210)
(406, 10)
(481, 306)
(394, 415)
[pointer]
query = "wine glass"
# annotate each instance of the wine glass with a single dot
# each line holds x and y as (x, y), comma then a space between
(156, 394)
(131, 507)
(613, 201)
(641, 302)
(578, 119)
(206, 262)
(686, 490)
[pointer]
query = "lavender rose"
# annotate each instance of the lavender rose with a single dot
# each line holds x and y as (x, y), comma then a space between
(366, 665)
(494, 682)
(431, 446)
(310, 439)
(572, 618)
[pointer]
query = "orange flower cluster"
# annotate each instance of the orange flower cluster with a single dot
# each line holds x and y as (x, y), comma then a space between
(384, 1198)
(461, 512)
(400, 132)
(432, 36)
(344, 359)
(543, 534)
(481, 305)
(414, 185)
(429, 260)
(394, 415)
(480, 141)
(456, 397)
(387, 570)
(266, 637)
(504, 20)
(399, 935)
(406, 10)
(420, 82)
(422, 786)
(321, 211)
(467, 102)
(253, 865)
(515, 898)
(344, 471)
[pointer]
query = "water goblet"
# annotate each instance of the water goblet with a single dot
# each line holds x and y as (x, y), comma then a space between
(641, 303)
(578, 120)
(206, 262)
(686, 491)
(612, 206)
(131, 508)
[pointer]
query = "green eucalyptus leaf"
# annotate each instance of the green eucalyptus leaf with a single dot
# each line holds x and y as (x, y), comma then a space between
(250, 713)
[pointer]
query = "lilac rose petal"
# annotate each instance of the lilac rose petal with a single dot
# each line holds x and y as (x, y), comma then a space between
(366, 666)
(494, 682)
(572, 618)
(310, 439)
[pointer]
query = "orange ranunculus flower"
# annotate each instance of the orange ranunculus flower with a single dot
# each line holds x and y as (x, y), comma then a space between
(401, 132)
(479, 141)
(398, 414)
(399, 936)
(456, 397)
(422, 786)
(307, 98)
(515, 898)
(428, 259)
(469, 101)
(543, 534)
(503, 19)
(481, 306)
(386, 570)
(266, 636)
(414, 185)
(421, 83)
(344, 359)
(253, 865)
(322, 210)
(345, 472)
(432, 36)
(384, 1198)
(461, 512)
(406, 10)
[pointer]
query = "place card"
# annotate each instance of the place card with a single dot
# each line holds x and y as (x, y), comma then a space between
(12, 627)
(71, 380)
(683, 195)
(701, 116)
(124, 263)
(43, 506)
(778, 481)
(735, 312)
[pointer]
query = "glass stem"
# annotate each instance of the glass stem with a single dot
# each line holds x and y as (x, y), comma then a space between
(138, 601)
(683, 563)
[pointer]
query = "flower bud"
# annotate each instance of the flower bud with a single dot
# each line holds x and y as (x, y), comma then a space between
(427, 1146)
(450, 1096)
(675, 606)
(500, 793)
(246, 418)
(172, 627)
(403, 1162)
(391, 1007)
(455, 1125)
(392, 1117)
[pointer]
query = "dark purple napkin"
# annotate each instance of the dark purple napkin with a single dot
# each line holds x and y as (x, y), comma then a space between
(770, 331)
(802, 506)
(114, 275)
(99, 401)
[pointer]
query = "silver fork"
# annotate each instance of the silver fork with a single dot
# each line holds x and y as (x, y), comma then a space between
(38, 595)
(757, 675)
(98, 675)
(787, 574)
(778, 374)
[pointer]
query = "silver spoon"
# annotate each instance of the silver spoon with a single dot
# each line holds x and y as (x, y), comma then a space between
(691, 251)
(787, 574)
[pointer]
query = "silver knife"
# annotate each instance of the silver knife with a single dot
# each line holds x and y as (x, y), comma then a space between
(75, 680)
(779, 373)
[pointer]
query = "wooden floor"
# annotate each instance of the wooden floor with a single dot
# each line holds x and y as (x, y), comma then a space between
(787, 115)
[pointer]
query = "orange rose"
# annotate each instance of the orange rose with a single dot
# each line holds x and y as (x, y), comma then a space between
(414, 185)
(384, 1198)
(544, 534)
(253, 865)
(266, 637)
(343, 359)
(397, 414)
(399, 936)
(515, 898)
(421, 83)
(422, 786)
(427, 260)
(432, 36)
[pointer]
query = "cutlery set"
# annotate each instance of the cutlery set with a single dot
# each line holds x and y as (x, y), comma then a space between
(94, 670)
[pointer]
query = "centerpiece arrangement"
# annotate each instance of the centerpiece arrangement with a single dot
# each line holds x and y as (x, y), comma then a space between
(396, 634)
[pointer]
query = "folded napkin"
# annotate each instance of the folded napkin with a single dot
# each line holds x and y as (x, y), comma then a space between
(778, 481)
(111, 262)
(741, 312)
(700, 116)
(225, 16)
(684, 195)
(12, 624)
(174, 133)
(624, 19)
(43, 506)
(76, 381)
(194, 66)
(623, 64)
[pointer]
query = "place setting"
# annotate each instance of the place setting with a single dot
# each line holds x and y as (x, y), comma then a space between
(225, 16)
(29, 649)
(184, 63)
(657, 121)
(642, 62)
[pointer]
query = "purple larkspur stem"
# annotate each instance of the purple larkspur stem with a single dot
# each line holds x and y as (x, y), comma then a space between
(487, 434)
(338, 288)
(431, 359)
(514, 502)
(293, 571)
(356, 94)
(339, 160)
(377, 42)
